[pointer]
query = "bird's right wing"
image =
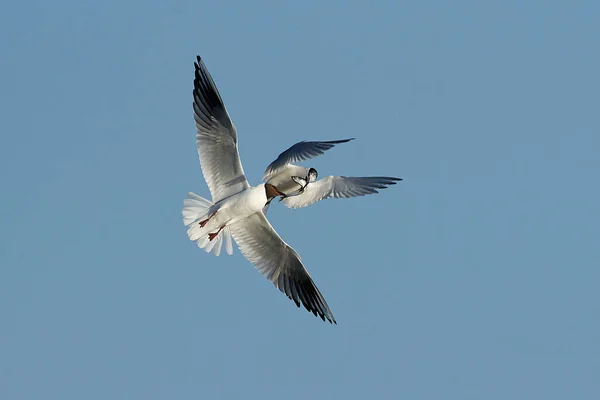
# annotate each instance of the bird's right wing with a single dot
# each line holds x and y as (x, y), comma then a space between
(299, 152)
(279, 263)
(339, 187)
(216, 138)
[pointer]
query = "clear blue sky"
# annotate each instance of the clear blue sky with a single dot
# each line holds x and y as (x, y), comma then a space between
(474, 278)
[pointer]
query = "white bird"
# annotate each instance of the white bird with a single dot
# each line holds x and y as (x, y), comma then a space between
(237, 208)
(300, 185)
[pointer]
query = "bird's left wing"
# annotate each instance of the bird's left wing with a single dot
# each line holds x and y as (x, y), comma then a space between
(279, 263)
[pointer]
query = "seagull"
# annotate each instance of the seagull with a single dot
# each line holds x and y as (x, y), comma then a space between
(236, 209)
(300, 185)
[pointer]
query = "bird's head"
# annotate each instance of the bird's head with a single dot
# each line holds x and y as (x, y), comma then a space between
(312, 175)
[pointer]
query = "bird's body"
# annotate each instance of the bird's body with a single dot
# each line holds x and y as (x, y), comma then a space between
(238, 207)
(229, 211)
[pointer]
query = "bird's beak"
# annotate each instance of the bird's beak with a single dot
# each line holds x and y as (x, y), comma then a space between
(272, 191)
(280, 193)
(283, 195)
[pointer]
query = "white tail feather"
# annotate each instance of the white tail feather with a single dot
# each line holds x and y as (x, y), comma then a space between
(196, 209)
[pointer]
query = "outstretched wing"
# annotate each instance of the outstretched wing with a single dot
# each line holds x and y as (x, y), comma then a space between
(299, 152)
(279, 263)
(216, 138)
(339, 187)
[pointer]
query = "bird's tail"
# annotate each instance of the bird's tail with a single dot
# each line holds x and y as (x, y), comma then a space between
(196, 209)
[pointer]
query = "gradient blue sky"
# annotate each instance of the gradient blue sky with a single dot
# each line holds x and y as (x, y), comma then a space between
(475, 278)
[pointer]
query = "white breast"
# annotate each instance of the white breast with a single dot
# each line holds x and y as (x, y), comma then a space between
(242, 205)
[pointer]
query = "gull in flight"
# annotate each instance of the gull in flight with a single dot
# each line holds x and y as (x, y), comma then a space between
(236, 209)
(300, 185)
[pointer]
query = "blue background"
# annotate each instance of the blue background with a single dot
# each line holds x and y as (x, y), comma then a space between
(474, 278)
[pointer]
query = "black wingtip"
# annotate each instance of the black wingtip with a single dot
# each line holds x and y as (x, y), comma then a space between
(199, 64)
(392, 180)
(342, 141)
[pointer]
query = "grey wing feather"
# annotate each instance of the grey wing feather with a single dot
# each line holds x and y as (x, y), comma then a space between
(299, 152)
(339, 187)
(216, 138)
(279, 263)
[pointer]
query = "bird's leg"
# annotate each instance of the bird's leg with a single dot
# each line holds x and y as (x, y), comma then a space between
(211, 236)
(204, 222)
